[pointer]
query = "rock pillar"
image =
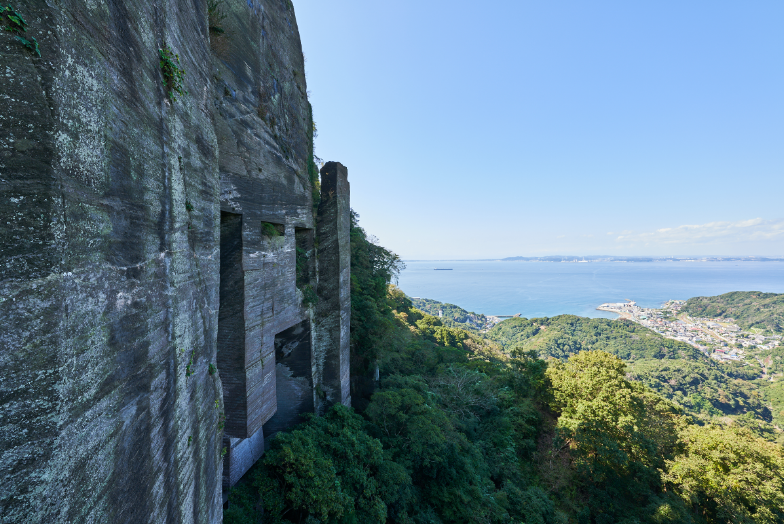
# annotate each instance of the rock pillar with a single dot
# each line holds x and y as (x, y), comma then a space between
(331, 331)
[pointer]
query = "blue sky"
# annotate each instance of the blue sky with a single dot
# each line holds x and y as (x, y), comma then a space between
(517, 128)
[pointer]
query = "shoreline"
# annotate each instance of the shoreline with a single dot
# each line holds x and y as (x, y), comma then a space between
(621, 315)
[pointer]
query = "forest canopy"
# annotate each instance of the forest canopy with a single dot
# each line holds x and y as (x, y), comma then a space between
(750, 309)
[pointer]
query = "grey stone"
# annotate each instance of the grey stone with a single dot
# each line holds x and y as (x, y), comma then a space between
(141, 301)
(333, 312)
(24, 144)
(241, 454)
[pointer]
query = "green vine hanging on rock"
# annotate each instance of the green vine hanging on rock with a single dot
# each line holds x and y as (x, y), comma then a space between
(14, 23)
(172, 73)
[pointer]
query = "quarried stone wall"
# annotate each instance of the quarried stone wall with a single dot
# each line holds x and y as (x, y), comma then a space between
(109, 275)
(153, 252)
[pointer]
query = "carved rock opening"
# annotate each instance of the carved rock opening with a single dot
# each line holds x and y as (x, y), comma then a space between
(294, 379)
(231, 326)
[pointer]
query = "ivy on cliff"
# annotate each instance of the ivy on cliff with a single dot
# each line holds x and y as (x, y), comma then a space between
(313, 171)
(172, 73)
(16, 25)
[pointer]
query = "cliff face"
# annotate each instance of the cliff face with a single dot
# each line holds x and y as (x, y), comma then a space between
(147, 305)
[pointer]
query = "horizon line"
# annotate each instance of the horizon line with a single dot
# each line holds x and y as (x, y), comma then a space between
(729, 258)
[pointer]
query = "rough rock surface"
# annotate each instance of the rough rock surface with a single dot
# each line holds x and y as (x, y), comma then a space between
(333, 328)
(136, 270)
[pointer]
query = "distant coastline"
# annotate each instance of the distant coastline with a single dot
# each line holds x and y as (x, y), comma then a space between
(607, 258)
(539, 289)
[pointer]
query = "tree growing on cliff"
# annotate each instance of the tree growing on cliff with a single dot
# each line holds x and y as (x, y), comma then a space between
(372, 269)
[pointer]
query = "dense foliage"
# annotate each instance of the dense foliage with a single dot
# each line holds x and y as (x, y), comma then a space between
(452, 315)
(728, 475)
(702, 386)
(774, 395)
(459, 430)
(565, 335)
(673, 369)
(751, 309)
(372, 321)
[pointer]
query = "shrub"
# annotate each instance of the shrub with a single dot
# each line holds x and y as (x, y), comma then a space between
(172, 73)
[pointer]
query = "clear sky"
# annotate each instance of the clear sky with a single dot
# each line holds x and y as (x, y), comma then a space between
(522, 128)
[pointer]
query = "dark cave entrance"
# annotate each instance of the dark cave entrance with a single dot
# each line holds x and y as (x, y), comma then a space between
(294, 379)
(231, 326)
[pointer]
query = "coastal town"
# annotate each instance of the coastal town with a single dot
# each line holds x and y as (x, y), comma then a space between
(719, 338)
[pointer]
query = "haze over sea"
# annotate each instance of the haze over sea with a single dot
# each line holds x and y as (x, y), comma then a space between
(545, 289)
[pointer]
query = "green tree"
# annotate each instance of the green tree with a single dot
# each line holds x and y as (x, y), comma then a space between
(372, 322)
(448, 470)
(606, 418)
(330, 469)
(726, 474)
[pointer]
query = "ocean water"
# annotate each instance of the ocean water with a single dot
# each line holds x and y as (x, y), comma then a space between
(545, 289)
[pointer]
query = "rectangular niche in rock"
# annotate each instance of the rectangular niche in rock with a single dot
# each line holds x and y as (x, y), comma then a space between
(273, 236)
(231, 326)
(271, 230)
(294, 379)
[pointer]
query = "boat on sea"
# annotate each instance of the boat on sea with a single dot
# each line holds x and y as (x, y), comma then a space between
(442, 269)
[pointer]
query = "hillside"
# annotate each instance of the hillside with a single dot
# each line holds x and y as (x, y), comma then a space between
(562, 336)
(453, 316)
(773, 386)
(751, 309)
(673, 369)
(702, 387)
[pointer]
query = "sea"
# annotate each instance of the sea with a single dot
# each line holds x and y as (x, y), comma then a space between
(546, 289)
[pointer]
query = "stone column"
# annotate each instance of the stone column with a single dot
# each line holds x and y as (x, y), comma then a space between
(332, 325)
